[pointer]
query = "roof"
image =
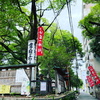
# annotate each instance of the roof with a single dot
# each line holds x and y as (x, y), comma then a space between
(18, 66)
(61, 71)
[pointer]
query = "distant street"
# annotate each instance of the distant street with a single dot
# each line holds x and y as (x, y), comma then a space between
(85, 96)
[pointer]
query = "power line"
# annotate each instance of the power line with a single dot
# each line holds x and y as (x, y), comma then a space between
(71, 24)
(70, 20)
(72, 30)
(57, 20)
(56, 15)
(70, 17)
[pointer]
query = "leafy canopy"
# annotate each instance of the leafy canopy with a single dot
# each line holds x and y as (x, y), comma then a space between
(89, 24)
(18, 25)
(59, 50)
(91, 28)
(91, 1)
(74, 79)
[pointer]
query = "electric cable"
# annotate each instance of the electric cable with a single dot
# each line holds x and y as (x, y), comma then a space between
(71, 24)
(72, 30)
(56, 15)
(57, 21)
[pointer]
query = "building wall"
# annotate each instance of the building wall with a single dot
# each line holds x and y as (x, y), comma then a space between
(8, 77)
(89, 58)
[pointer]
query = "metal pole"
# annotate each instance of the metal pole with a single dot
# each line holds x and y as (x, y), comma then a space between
(76, 71)
(56, 86)
(30, 80)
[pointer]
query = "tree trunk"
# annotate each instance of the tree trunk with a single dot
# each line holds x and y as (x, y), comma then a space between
(33, 21)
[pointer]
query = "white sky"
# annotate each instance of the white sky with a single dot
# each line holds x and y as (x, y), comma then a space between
(63, 19)
(76, 9)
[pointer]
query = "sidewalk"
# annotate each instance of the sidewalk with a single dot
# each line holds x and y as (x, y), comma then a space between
(85, 96)
(48, 97)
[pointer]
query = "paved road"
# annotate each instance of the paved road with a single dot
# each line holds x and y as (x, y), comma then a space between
(85, 96)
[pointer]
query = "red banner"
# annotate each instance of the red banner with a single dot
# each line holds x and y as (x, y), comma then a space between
(97, 80)
(39, 48)
(92, 71)
(94, 75)
(90, 81)
(40, 33)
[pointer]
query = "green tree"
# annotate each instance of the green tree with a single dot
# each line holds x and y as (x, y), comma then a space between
(91, 1)
(12, 40)
(73, 79)
(18, 25)
(59, 50)
(91, 27)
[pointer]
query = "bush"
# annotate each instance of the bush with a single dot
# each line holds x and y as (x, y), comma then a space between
(70, 97)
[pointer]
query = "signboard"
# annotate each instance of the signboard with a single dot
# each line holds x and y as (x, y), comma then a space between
(94, 75)
(31, 58)
(90, 81)
(40, 33)
(4, 89)
(92, 71)
(31, 52)
(20, 74)
(25, 88)
(97, 80)
(23, 78)
(43, 86)
(39, 48)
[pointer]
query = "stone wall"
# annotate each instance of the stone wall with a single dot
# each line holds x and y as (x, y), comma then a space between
(8, 77)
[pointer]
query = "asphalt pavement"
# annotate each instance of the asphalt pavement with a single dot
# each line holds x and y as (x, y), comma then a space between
(85, 96)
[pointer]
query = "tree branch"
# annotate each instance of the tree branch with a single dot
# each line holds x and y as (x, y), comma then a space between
(19, 7)
(33, 18)
(56, 16)
(87, 29)
(94, 23)
(12, 53)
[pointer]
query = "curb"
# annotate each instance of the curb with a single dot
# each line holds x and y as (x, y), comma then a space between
(34, 98)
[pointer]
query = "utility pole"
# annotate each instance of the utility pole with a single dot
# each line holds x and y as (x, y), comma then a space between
(33, 37)
(33, 22)
(76, 71)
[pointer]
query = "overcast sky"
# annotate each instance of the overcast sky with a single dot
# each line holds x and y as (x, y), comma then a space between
(63, 19)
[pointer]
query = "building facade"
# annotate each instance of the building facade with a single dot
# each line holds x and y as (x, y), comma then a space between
(90, 59)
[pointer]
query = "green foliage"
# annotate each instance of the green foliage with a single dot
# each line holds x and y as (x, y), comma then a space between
(74, 79)
(33, 99)
(59, 50)
(91, 1)
(70, 96)
(95, 46)
(16, 27)
(57, 4)
(91, 28)
(13, 41)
